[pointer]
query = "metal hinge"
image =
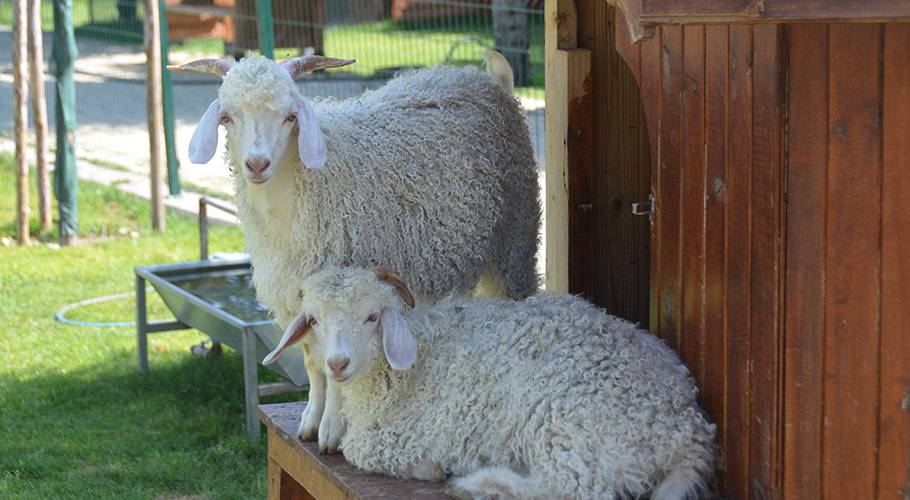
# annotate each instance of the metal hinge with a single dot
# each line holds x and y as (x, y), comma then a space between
(645, 208)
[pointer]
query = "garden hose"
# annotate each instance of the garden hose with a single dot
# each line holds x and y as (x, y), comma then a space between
(60, 315)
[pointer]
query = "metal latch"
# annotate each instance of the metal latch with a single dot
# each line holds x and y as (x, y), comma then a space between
(645, 208)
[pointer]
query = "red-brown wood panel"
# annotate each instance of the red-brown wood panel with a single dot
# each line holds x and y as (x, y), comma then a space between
(805, 256)
(894, 377)
(651, 96)
(670, 177)
(739, 246)
(852, 259)
(609, 247)
(715, 181)
(767, 154)
(692, 212)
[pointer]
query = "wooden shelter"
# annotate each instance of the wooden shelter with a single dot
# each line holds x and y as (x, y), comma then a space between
(773, 137)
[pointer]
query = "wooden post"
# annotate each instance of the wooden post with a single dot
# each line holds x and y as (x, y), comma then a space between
(157, 156)
(39, 109)
(568, 83)
(20, 110)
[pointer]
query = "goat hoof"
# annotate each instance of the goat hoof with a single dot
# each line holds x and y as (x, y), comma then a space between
(309, 425)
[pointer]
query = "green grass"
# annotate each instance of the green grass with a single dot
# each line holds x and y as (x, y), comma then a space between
(76, 420)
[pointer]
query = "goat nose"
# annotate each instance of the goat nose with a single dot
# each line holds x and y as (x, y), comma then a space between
(257, 164)
(338, 364)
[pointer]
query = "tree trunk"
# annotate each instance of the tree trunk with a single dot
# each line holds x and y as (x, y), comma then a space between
(39, 109)
(512, 36)
(20, 110)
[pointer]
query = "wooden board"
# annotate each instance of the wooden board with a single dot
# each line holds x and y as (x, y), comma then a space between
(766, 192)
(853, 250)
(642, 13)
(650, 92)
(329, 476)
(894, 368)
(714, 387)
(739, 246)
(692, 212)
(805, 274)
(668, 196)
(568, 152)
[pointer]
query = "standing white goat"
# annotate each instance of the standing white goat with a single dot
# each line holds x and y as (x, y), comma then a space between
(432, 174)
(544, 398)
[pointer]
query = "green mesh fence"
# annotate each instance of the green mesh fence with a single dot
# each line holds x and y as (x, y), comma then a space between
(385, 36)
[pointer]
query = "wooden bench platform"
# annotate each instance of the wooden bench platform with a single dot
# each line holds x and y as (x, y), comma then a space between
(298, 471)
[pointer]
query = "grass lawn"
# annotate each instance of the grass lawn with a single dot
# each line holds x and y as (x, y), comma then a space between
(76, 420)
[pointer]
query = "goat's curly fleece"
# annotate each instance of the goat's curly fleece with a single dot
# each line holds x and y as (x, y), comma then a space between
(431, 175)
(580, 403)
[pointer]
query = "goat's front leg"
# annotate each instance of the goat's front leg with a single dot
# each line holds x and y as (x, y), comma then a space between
(332, 427)
(312, 414)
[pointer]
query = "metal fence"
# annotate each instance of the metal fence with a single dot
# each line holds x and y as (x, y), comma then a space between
(385, 36)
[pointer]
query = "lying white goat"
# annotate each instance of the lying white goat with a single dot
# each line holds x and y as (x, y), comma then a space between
(544, 398)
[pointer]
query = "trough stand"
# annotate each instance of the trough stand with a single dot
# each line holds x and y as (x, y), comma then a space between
(251, 339)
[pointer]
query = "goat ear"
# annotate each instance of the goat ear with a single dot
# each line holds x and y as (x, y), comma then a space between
(304, 64)
(310, 142)
(295, 332)
(218, 67)
(205, 139)
(399, 345)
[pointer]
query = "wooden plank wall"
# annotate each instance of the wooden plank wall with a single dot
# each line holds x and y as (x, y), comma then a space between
(715, 111)
(780, 258)
(610, 248)
(847, 338)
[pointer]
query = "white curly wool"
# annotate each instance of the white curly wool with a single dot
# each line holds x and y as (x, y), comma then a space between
(432, 175)
(544, 398)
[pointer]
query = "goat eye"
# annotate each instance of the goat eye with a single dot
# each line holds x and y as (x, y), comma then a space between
(372, 318)
(224, 119)
(291, 118)
(313, 322)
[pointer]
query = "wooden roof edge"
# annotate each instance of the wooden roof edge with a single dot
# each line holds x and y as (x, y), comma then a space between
(643, 15)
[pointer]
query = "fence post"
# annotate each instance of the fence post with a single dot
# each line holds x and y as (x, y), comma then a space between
(65, 180)
(266, 28)
(167, 97)
(155, 112)
(20, 103)
(39, 110)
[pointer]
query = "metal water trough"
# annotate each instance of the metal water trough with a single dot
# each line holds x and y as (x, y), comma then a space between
(201, 295)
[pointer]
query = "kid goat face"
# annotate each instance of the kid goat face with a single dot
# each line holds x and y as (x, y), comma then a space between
(352, 318)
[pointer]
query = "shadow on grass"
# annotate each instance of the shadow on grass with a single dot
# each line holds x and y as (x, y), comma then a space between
(105, 430)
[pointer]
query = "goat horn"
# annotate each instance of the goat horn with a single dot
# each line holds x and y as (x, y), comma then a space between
(384, 274)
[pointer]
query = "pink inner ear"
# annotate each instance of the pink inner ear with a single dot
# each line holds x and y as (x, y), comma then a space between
(399, 345)
(295, 332)
(205, 138)
(310, 142)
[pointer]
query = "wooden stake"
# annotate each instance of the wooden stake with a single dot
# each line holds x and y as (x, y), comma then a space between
(155, 111)
(39, 109)
(20, 110)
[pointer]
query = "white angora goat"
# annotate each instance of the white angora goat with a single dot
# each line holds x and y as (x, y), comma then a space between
(550, 397)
